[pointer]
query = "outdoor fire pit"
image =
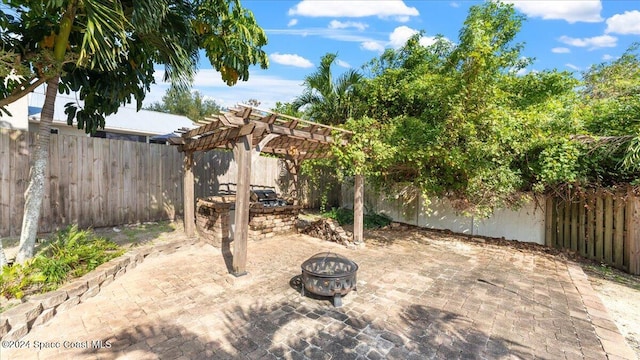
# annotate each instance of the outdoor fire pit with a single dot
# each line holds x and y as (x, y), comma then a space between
(329, 274)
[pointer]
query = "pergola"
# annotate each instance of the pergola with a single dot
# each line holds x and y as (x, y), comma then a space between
(249, 131)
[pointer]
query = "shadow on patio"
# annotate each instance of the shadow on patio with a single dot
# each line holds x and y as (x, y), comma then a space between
(295, 331)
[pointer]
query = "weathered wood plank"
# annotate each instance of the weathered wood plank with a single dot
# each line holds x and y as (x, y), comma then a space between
(85, 160)
(599, 239)
(74, 192)
(591, 225)
(115, 193)
(618, 232)
(574, 226)
(582, 219)
(167, 206)
(5, 178)
(608, 229)
(142, 183)
(155, 182)
(566, 225)
(633, 231)
(22, 144)
(242, 151)
(189, 199)
(128, 184)
(54, 184)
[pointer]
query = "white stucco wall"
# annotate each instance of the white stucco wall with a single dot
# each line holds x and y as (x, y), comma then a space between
(525, 224)
(19, 119)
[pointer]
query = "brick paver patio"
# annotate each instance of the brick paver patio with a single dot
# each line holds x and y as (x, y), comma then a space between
(418, 297)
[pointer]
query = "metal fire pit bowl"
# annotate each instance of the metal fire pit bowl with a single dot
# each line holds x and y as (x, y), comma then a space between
(329, 274)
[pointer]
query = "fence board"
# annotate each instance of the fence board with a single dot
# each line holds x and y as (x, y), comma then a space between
(114, 190)
(618, 233)
(608, 228)
(633, 232)
(54, 180)
(590, 238)
(574, 226)
(582, 218)
(5, 173)
(566, 225)
(599, 247)
(155, 182)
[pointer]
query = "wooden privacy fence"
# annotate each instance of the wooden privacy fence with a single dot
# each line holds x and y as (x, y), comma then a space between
(97, 182)
(599, 225)
(90, 182)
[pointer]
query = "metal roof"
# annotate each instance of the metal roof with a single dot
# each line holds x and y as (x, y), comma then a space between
(127, 119)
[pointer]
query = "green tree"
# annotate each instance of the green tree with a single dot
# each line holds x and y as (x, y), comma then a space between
(106, 53)
(460, 121)
(610, 95)
(185, 102)
(286, 108)
(327, 101)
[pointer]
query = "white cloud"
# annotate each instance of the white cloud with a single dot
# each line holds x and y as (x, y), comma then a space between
(454, 4)
(592, 43)
(572, 67)
(343, 64)
(335, 34)
(607, 57)
(569, 10)
(627, 23)
(401, 34)
(291, 60)
(292, 22)
(335, 24)
(560, 50)
(341, 8)
(373, 46)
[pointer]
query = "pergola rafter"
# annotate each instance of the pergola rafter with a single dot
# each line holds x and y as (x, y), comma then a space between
(249, 131)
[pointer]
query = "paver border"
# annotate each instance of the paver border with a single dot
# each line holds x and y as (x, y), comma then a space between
(39, 309)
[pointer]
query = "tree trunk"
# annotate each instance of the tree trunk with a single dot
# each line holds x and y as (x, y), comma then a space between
(3, 257)
(35, 189)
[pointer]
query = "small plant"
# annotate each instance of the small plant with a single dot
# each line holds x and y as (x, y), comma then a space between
(376, 220)
(341, 215)
(345, 217)
(69, 253)
(17, 279)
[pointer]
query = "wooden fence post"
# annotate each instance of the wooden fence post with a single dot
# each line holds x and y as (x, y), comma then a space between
(633, 232)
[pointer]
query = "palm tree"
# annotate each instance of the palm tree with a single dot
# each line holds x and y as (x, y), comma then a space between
(326, 101)
(106, 52)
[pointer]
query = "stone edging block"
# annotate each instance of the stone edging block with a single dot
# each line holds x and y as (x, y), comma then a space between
(39, 309)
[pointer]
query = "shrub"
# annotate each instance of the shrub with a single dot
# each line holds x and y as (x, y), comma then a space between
(69, 253)
(345, 217)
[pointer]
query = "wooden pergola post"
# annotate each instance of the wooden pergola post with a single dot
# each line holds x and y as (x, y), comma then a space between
(358, 209)
(189, 198)
(242, 149)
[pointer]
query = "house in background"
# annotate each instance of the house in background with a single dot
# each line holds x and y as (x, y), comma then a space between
(126, 124)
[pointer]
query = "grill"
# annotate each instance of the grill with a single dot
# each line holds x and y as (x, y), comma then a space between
(329, 274)
(268, 198)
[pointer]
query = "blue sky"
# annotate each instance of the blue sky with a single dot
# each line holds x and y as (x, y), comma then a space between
(565, 35)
